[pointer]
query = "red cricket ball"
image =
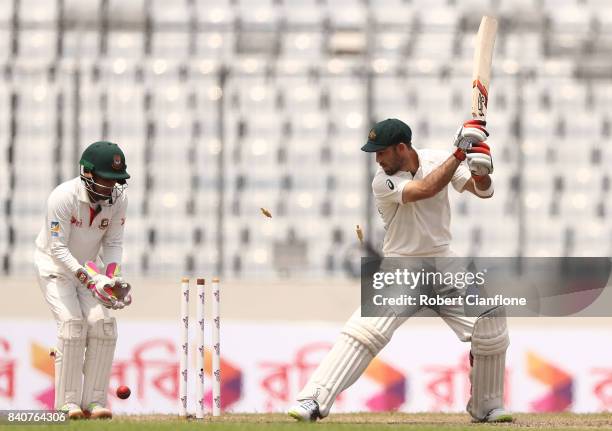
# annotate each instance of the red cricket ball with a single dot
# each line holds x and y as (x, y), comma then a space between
(123, 392)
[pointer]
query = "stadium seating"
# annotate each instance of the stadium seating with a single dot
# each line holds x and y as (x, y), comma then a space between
(249, 104)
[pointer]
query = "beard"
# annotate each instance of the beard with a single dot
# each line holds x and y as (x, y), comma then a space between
(393, 164)
(392, 168)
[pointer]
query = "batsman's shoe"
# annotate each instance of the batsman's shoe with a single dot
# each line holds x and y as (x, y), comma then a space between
(305, 411)
(98, 411)
(72, 410)
(498, 415)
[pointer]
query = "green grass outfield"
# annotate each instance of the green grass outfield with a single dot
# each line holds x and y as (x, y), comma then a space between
(340, 422)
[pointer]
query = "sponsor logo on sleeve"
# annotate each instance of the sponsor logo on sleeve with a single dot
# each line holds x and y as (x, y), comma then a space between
(55, 229)
(390, 184)
(103, 223)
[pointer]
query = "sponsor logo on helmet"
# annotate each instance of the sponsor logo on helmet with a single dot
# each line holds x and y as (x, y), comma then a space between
(117, 165)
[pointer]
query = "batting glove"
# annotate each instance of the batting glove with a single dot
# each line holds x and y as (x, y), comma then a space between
(479, 160)
(472, 132)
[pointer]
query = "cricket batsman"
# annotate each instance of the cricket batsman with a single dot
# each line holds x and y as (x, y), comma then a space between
(83, 231)
(411, 192)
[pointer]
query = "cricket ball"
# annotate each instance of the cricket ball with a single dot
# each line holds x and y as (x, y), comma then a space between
(123, 392)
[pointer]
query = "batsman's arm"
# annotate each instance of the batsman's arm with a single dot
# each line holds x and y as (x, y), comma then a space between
(435, 181)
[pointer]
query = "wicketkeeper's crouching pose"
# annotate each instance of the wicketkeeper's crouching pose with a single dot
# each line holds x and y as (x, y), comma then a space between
(84, 228)
(411, 193)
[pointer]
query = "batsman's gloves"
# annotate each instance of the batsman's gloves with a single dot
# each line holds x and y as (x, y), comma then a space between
(479, 160)
(470, 133)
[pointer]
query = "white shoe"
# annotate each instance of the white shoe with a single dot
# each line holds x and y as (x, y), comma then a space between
(98, 411)
(305, 411)
(72, 410)
(498, 415)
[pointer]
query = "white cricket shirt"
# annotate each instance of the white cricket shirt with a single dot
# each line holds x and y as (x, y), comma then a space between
(419, 228)
(75, 230)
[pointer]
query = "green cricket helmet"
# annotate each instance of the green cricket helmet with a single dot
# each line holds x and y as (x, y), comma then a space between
(105, 160)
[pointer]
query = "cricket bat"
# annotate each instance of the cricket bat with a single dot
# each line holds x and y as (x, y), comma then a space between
(481, 72)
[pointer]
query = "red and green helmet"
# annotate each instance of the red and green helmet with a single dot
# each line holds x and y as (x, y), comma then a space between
(105, 160)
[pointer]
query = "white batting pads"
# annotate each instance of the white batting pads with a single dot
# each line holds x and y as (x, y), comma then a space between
(361, 339)
(101, 341)
(489, 343)
(69, 361)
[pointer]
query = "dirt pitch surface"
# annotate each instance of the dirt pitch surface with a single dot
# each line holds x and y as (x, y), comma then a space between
(344, 422)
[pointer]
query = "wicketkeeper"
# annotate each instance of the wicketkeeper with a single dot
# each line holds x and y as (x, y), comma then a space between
(411, 192)
(83, 231)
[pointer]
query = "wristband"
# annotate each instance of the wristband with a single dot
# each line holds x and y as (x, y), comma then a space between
(82, 276)
(459, 154)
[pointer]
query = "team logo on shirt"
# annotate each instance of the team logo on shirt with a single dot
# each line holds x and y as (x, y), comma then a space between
(55, 229)
(390, 184)
(103, 223)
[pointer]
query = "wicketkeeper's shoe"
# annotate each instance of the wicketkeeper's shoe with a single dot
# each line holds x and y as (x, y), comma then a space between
(498, 415)
(98, 411)
(305, 411)
(72, 410)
